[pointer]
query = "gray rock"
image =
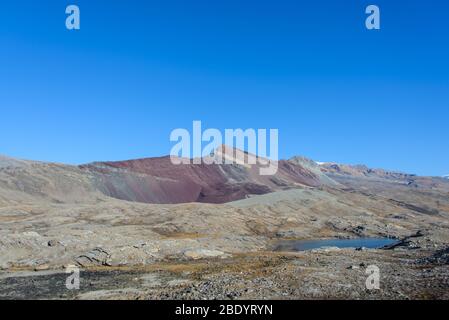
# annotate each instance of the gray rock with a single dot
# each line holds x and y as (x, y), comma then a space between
(96, 257)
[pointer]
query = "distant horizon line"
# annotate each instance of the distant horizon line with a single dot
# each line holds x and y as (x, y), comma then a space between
(319, 163)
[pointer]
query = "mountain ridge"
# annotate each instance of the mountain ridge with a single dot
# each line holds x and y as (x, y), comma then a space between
(156, 180)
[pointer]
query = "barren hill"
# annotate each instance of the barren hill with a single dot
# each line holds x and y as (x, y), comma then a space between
(152, 180)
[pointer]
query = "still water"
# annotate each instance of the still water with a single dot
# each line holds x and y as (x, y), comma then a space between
(304, 245)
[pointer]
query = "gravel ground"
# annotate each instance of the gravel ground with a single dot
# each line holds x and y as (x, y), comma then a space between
(320, 274)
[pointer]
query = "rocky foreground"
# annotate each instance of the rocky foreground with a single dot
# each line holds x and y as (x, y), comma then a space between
(132, 250)
(321, 274)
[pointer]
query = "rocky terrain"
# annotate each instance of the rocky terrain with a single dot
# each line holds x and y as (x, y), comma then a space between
(145, 229)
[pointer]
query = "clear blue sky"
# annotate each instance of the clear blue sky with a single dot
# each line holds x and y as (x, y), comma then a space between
(138, 69)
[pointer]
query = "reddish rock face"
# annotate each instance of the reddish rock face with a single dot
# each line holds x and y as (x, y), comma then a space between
(157, 180)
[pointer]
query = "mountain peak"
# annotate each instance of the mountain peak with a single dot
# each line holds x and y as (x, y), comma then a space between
(236, 155)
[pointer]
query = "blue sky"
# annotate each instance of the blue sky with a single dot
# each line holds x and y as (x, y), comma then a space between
(139, 69)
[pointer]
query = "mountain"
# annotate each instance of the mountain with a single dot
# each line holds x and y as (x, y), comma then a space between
(23, 181)
(351, 175)
(315, 168)
(151, 180)
(363, 171)
(6, 162)
(157, 180)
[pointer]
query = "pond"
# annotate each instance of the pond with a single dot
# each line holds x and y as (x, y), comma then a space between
(305, 245)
